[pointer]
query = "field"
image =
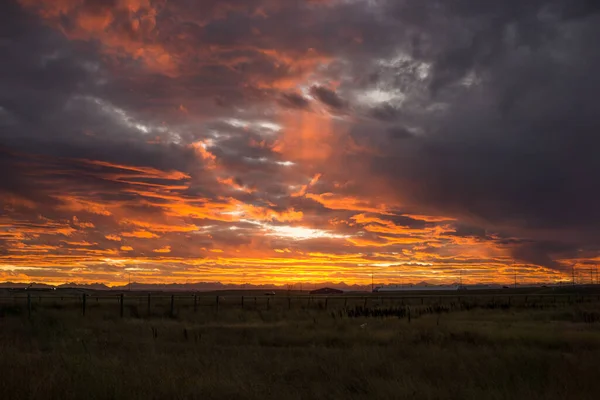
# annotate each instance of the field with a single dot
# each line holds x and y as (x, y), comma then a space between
(538, 345)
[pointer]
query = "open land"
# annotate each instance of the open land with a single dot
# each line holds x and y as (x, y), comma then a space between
(536, 344)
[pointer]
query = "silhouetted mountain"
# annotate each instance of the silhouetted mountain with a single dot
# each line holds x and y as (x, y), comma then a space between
(195, 286)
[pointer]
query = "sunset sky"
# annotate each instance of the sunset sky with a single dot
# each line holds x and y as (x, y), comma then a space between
(287, 141)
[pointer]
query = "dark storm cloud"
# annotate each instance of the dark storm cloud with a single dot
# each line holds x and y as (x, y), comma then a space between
(513, 145)
(386, 112)
(51, 114)
(399, 132)
(328, 97)
(294, 100)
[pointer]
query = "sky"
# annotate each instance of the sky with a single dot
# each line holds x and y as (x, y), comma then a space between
(272, 141)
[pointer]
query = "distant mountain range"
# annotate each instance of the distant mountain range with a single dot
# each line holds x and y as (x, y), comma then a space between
(214, 286)
(197, 286)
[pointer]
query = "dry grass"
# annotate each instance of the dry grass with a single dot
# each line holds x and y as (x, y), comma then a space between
(549, 353)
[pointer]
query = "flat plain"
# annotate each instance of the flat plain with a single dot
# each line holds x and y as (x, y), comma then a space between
(539, 345)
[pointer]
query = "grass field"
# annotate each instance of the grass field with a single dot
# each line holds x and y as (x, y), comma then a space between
(540, 351)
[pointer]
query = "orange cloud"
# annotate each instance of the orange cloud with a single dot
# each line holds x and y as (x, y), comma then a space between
(134, 36)
(337, 202)
(140, 234)
(82, 224)
(201, 148)
(429, 218)
(300, 66)
(265, 214)
(137, 172)
(83, 243)
(304, 188)
(75, 204)
(159, 227)
(231, 183)
(114, 238)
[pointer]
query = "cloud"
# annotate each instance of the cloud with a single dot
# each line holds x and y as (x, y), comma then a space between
(140, 234)
(294, 100)
(508, 146)
(328, 97)
(429, 136)
(166, 249)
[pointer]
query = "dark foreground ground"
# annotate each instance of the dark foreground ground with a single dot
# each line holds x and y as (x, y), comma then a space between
(541, 352)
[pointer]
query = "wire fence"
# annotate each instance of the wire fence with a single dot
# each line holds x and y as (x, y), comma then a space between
(133, 304)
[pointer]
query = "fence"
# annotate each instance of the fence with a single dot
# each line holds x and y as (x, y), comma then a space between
(171, 304)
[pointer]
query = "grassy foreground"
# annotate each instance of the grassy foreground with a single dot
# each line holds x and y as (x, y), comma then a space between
(551, 353)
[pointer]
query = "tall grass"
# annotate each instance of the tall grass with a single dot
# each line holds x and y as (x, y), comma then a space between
(550, 353)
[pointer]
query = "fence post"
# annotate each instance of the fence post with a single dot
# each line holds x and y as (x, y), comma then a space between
(268, 303)
(149, 304)
(195, 303)
(172, 305)
(254, 301)
(326, 301)
(29, 304)
(242, 302)
(83, 296)
(122, 305)
(421, 300)
(365, 304)
(345, 302)
(289, 303)
(217, 304)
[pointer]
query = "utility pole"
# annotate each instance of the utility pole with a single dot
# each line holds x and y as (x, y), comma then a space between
(573, 273)
(372, 281)
(130, 281)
